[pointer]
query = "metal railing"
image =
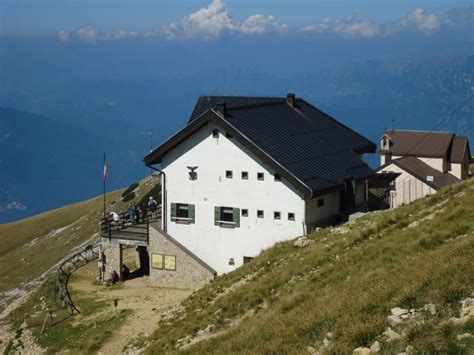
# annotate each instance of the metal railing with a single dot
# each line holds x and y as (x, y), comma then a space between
(129, 225)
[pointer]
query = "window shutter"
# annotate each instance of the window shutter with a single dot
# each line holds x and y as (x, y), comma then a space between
(191, 210)
(217, 215)
(173, 210)
(236, 217)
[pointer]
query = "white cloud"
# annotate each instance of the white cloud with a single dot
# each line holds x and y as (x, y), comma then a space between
(87, 34)
(207, 22)
(64, 36)
(15, 205)
(422, 21)
(351, 26)
(210, 22)
(321, 26)
(257, 24)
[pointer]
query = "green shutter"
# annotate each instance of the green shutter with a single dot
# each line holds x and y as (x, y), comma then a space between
(173, 210)
(236, 217)
(217, 215)
(191, 214)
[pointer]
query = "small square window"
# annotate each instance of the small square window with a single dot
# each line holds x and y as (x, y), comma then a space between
(231, 261)
(182, 210)
(215, 133)
(245, 213)
(260, 176)
(321, 202)
(245, 175)
(228, 174)
(276, 215)
(291, 216)
(260, 214)
(277, 177)
(227, 214)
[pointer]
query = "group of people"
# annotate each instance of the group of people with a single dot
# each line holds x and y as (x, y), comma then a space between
(137, 213)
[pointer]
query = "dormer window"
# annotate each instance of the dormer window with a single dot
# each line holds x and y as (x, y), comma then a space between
(385, 143)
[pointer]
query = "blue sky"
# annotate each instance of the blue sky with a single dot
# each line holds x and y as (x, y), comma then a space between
(48, 17)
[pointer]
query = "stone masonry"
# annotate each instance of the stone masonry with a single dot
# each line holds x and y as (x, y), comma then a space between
(191, 272)
(113, 256)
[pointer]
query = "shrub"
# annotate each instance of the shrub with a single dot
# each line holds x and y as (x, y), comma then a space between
(155, 192)
(129, 197)
(130, 189)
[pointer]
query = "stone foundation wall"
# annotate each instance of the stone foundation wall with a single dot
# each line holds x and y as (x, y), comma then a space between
(191, 272)
(113, 256)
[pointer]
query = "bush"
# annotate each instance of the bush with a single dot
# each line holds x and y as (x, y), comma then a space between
(130, 189)
(155, 192)
(129, 197)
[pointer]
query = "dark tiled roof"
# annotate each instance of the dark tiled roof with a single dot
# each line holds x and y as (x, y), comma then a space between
(421, 170)
(420, 143)
(304, 142)
(206, 102)
(458, 149)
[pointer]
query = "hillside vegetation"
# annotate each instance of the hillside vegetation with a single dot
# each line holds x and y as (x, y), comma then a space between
(334, 290)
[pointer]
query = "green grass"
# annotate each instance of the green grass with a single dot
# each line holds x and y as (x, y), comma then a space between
(345, 284)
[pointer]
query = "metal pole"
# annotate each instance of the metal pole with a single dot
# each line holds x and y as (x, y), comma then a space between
(104, 178)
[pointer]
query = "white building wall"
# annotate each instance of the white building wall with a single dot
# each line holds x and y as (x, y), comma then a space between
(407, 187)
(457, 170)
(214, 244)
(315, 215)
(435, 163)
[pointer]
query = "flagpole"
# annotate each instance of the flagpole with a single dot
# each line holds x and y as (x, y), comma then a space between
(104, 178)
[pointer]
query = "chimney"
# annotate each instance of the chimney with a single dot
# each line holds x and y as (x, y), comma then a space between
(220, 107)
(290, 99)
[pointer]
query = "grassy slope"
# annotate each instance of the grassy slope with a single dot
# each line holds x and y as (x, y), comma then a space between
(33, 245)
(344, 283)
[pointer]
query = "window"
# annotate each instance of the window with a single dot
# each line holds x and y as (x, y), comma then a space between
(291, 216)
(182, 213)
(227, 217)
(170, 262)
(231, 261)
(245, 175)
(260, 214)
(227, 214)
(277, 177)
(276, 215)
(321, 202)
(247, 259)
(215, 133)
(163, 262)
(245, 212)
(228, 174)
(260, 176)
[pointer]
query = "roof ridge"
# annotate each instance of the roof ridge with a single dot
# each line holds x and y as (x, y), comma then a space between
(261, 104)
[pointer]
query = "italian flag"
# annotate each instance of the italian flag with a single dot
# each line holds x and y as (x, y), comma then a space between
(106, 171)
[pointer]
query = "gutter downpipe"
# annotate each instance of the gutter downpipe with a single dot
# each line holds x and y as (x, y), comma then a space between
(163, 191)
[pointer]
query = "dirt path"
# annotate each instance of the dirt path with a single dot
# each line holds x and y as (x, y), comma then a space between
(139, 296)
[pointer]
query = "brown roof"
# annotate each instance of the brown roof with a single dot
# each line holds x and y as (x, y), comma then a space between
(458, 150)
(420, 143)
(421, 170)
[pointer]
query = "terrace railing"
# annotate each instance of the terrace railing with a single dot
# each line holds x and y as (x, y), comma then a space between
(127, 227)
